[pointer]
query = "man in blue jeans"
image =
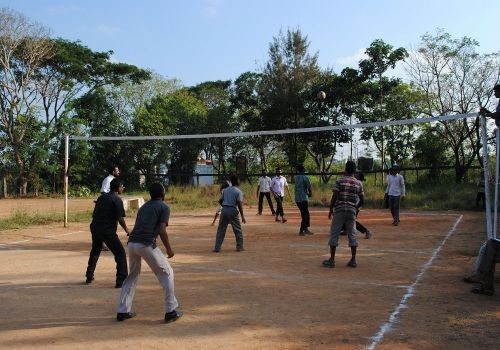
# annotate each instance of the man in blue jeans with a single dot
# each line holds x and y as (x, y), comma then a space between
(232, 207)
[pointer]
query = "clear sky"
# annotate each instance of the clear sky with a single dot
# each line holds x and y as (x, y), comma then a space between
(201, 40)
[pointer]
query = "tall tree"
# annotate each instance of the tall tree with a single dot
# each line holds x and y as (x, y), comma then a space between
(220, 118)
(287, 81)
(24, 45)
(454, 79)
(381, 57)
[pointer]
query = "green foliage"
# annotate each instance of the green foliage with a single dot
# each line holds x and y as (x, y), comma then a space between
(80, 191)
(20, 219)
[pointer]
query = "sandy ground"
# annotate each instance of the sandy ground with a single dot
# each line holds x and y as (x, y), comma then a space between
(406, 293)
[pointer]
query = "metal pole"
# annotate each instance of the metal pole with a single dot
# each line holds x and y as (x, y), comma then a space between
(66, 162)
(486, 169)
(495, 213)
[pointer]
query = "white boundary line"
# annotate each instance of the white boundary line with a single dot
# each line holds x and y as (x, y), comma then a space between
(29, 240)
(386, 327)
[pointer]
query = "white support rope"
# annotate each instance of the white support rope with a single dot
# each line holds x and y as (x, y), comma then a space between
(278, 132)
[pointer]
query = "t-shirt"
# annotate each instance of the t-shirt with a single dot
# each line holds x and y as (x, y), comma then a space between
(395, 185)
(278, 185)
(105, 183)
(302, 188)
(347, 189)
(231, 196)
(108, 209)
(147, 223)
(264, 183)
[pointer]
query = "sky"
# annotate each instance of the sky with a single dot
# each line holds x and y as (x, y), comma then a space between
(203, 40)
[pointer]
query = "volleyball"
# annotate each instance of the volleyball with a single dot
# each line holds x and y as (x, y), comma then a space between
(321, 95)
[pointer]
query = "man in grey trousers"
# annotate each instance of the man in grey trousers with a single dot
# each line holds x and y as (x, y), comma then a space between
(232, 207)
(152, 221)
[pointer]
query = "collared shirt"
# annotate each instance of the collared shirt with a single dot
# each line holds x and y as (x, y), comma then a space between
(231, 196)
(278, 185)
(264, 184)
(347, 189)
(107, 211)
(302, 188)
(395, 185)
(147, 223)
(105, 183)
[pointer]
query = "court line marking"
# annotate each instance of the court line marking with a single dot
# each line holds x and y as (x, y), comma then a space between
(288, 278)
(387, 326)
(29, 240)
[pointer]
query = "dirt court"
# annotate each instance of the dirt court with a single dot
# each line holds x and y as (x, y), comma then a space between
(406, 293)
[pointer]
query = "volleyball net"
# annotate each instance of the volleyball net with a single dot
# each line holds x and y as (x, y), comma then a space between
(491, 215)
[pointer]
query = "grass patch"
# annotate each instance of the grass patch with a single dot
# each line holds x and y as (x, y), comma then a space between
(21, 219)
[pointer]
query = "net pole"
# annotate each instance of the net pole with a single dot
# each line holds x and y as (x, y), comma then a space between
(495, 213)
(486, 169)
(66, 163)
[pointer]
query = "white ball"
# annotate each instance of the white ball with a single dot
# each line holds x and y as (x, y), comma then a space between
(321, 95)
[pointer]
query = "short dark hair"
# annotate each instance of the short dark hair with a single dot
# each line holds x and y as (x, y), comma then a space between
(350, 167)
(115, 184)
(496, 87)
(300, 168)
(234, 180)
(156, 191)
(112, 169)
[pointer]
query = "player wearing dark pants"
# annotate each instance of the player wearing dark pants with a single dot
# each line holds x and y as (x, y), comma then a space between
(347, 197)
(302, 193)
(269, 202)
(263, 190)
(108, 212)
(232, 207)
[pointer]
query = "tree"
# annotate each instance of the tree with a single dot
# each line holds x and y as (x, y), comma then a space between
(24, 45)
(287, 81)
(220, 118)
(454, 78)
(381, 57)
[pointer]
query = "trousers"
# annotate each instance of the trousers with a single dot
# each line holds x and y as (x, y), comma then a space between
(161, 268)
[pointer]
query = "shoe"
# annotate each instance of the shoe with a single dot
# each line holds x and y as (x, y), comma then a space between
(122, 316)
(482, 290)
(216, 250)
(89, 279)
(368, 234)
(352, 263)
(240, 249)
(284, 220)
(276, 219)
(471, 279)
(259, 213)
(119, 284)
(173, 316)
(329, 263)
(302, 233)
(307, 232)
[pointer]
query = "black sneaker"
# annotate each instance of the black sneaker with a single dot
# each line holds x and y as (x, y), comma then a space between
(173, 316)
(119, 284)
(122, 316)
(89, 279)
